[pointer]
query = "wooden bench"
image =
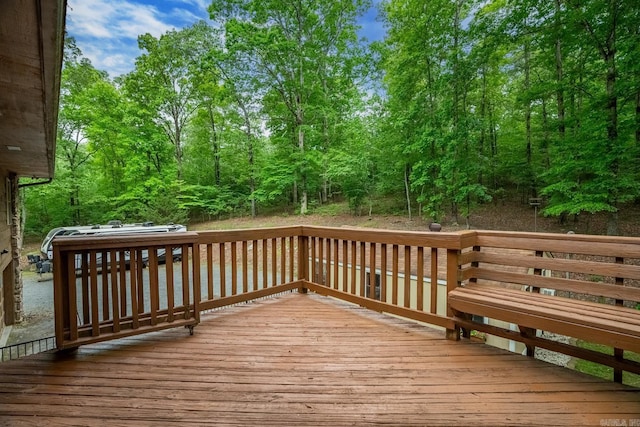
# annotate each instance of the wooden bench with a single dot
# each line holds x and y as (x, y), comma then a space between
(590, 289)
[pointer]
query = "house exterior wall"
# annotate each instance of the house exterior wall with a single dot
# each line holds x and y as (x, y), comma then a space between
(10, 244)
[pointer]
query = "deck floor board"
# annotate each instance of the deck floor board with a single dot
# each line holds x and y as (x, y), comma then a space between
(303, 360)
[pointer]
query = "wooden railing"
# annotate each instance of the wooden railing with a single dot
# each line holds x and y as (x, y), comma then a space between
(399, 272)
(243, 265)
(111, 287)
(409, 274)
(387, 271)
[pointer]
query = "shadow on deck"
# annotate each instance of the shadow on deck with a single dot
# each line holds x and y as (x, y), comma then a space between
(303, 360)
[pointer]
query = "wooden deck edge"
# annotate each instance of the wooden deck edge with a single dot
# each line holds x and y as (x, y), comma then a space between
(420, 316)
(568, 349)
(248, 296)
(66, 345)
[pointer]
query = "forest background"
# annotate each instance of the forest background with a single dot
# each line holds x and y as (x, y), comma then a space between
(278, 107)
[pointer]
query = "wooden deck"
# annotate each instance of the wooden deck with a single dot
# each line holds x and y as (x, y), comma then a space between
(303, 360)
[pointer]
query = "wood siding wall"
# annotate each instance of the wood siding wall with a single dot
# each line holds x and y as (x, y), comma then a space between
(5, 243)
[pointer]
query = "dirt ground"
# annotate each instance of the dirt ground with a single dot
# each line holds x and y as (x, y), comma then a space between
(508, 216)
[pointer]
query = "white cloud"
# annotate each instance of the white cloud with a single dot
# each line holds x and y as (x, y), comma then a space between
(107, 30)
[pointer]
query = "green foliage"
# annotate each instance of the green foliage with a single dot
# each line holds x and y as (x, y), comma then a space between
(276, 104)
(209, 201)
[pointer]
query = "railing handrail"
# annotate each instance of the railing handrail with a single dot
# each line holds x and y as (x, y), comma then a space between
(236, 235)
(443, 240)
(135, 240)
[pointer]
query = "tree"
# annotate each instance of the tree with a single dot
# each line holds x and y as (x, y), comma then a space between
(161, 83)
(429, 83)
(79, 80)
(602, 172)
(285, 45)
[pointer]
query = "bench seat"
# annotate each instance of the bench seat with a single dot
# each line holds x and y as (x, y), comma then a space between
(606, 324)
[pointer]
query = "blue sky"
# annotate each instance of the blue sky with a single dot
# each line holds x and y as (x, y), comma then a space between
(107, 30)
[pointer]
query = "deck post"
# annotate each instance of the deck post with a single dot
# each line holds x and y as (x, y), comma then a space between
(618, 353)
(453, 281)
(303, 261)
(197, 293)
(531, 332)
(60, 296)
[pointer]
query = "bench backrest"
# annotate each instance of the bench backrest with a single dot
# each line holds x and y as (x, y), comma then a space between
(598, 266)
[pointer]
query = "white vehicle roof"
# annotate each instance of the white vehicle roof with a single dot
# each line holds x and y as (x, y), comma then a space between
(105, 230)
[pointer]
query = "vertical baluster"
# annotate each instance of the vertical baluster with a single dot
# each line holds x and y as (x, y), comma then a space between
(122, 268)
(86, 306)
(274, 262)
(95, 319)
(245, 267)
(234, 268)
(210, 290)
(291, 259)
(363, 266)
(223, 269)
(133, 278)
(372, 271)
(434, 280)
(265, 263)
(154, 296)
(407, 276)
(354, 263)
(115, 306)
(170, 285)
(420, 280)
(336, 264)
(314, 261)
(383, 272)
(140, 280)
(104, 273)
(345, 265)
(283, 260)
(320, 261)
(394, 275)
(328, 266)
(254, 264)
(185, 280)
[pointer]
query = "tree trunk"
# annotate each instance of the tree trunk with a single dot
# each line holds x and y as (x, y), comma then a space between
(609, 53)
(638, 121)
(177, 137)
(613, 224)
(215, 146)
(303, 175)
(559, 72)
(483, 120)
(547, 137)
(527, 107)
(407, 188)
